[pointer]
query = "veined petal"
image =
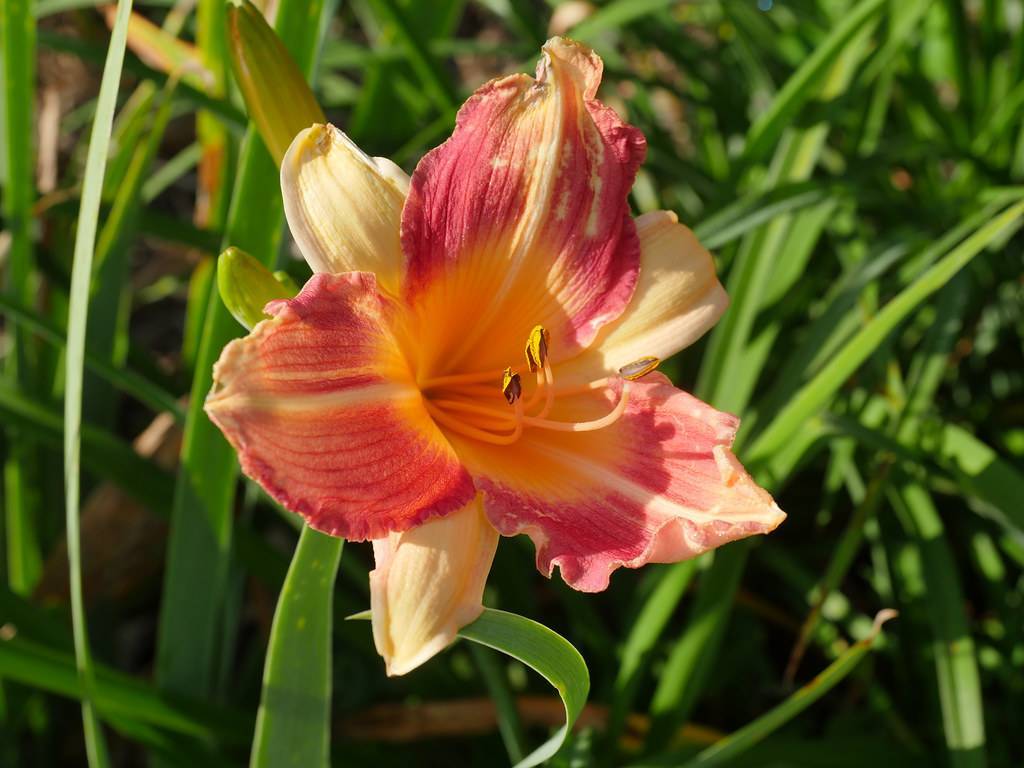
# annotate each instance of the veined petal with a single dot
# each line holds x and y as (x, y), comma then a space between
(659, 485)
(678, 299)
(319, 403)
(428, 584)
(344, 207)
(521, 217)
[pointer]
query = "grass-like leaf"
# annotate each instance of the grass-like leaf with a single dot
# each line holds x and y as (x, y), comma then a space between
(78, 314)
(816, 393)
(747, 737)
(292, 727)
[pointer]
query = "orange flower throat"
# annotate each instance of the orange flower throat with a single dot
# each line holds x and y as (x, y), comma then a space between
(470, 404)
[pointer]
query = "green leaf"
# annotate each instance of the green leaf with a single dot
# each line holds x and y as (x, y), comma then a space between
(928, 570)
(803, 84)
(431, 76)
(738, 218)
(78, 313)
(293, 724)
(643, 635)
(128, 381)
(17, 75)
(735, 744)
(816, 393)
(509, 725)
(119, 696)
(692, 655)
(615, 15)
(982, 473)
(548, 654)
(200, 542)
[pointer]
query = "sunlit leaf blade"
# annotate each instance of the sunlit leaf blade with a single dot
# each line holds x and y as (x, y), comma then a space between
(982, 473)
(802, 84)
(929, 574)
(293, 724)
(78, 312)
(816, 393)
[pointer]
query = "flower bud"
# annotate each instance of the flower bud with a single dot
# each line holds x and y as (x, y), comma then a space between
(277, 96)
(246, 286)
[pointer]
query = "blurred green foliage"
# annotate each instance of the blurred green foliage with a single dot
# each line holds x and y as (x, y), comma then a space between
(858, 168)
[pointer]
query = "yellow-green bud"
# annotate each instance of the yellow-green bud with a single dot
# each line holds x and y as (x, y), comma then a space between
(246, 286)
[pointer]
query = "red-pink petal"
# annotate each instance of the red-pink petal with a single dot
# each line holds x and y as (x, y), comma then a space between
(521, 217)
(659, 485)
(319, 403)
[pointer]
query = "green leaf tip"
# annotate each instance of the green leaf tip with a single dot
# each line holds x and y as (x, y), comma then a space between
(246, 286)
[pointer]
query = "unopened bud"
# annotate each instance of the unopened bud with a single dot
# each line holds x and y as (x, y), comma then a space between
(246, 286)
(276, 93)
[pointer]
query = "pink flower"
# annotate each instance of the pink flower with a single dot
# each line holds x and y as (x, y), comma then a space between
(392, 400)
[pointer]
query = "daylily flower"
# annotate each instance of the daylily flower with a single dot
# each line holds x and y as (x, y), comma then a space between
(474, 356)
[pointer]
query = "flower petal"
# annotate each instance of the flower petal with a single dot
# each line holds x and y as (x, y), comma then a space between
(659, 485)
(521, 217)
(319, 404)
(428, 584)
(344, 207)
(678, 299)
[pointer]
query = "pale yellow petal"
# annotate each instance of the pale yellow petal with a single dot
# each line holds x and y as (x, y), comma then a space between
(428, 584)
(678, 299)
(344, 208)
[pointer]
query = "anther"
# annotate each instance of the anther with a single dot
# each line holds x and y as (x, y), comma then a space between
(639, 368)
(537, 348)
(511, 386)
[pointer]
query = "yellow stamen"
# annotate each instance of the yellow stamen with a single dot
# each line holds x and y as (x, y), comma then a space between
(511, 386)
(460, 427)
(639, 368)
(500, 420)
(537, 348)
(585, 426)
(549, 392)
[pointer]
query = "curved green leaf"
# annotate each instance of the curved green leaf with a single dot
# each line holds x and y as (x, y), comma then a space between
(543, 650)
(547, 653)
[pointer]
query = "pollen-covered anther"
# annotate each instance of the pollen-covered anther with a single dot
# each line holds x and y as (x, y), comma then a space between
(511, 386)
(537, 348)
(639, 368)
